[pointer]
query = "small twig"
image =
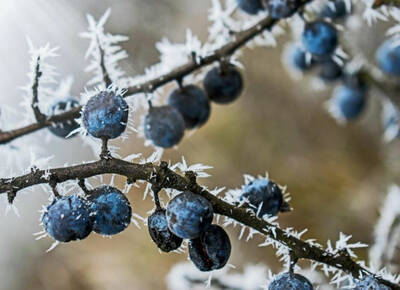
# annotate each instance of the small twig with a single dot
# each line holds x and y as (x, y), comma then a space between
(106, 77)
(39, 116)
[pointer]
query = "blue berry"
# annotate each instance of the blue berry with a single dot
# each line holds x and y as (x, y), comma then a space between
(192, 103)
(189, 215)
(265, 193)
(335, 9)
(211, 250)
(370, 283)
(290, 281)
(320, 38)
(388, 58)
(106, 115)
(282, 8)
(223, 85)
(349, 101)
(161, 234)
(330, 70)
(65, 128)
(250, 6)
(298, 58)
(164, 126)
(68, 218)
(111, 210)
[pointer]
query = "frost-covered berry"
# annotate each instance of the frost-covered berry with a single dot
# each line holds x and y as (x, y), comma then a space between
(282, 8)
(65, 128)
(330, 70)
(290, 281)
(349, 101)
(193, 104)
(334, 9)
(264, 196)
(250, 6)
(320, 38)
(388, 58)
(211, 250)
(298, 58)
(68, 219)
(164, 126)
(111, 210)
(106, 115)
(189, 215)
(223, 85)
(161, 234)
(370, 283)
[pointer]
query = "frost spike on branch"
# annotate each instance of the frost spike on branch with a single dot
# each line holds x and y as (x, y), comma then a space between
(147, 172)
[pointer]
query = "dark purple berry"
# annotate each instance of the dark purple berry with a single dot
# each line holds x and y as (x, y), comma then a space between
(223, 86)
(106, 115)
(65, 128)
(111, 210)
(335, 9)
(211, 250)
(193, 104)
(68, 218)
(320, 38)
(164, 126)
(282, 8)
(160, 233)
(290, 281)
(388, 58)
(250, 6)
(189, 215)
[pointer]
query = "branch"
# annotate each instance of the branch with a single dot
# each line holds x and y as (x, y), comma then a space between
(169, 179)
(39, 116)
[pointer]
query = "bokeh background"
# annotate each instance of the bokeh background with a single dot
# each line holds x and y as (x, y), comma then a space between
(337, 175)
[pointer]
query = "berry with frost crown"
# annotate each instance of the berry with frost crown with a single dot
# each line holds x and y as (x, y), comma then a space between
(111, 210)
(189, 215)
(63, 129)
(320, 38)
(290, 281)
(68, 218)
(160, 233)
(388, 58)
(164, 126)
(193, 104)
(211, 250)
(106, 115)
(250, 6)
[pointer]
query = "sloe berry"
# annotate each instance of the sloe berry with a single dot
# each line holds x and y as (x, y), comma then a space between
(63, 129)
(290, 281)
(388, 58)
(320, 37)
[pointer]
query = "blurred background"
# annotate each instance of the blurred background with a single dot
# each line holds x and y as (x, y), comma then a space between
(337, 175)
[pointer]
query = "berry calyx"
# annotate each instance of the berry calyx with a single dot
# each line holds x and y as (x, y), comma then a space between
(64, 129)
(223, 85)
(290, 281)
(388, 58)
(165, 240)
(189, 215)
(68, 218)
(164, 126)
(211, 251)
(105, 115)
(111, 210)
(320, 38)
(193, 104)
(250, 6)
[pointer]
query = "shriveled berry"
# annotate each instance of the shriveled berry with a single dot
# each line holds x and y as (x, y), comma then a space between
(111, 210)
(290, 281)
(335, 9)
(193, 104)
(68, 219)
(250, 6)
(189, 215)
(370, 283)
(164, 126)
(106, 115)
(264, 196)
(211, 250)
(223, 85)
(282, 8)
(320, 38)
(330, 70)
(388, 58)
(63, 129)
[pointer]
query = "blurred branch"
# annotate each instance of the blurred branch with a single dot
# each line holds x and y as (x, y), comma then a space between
(162, 176)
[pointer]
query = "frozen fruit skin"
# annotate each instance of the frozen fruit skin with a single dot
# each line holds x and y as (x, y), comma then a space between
(106, 115)
(388, 58)
(68, 219)
(189, 215)
(370, 283)
(282, 8)
(250, 6)
(330, 70)
(164, 126)
(290, 281)
(111, 210)
(265, 192)
(63, 129)
(211, 250)
(193, 104)
(161, 234)
(223, 86)
(335, 10)
(320, 38)
(350, 101)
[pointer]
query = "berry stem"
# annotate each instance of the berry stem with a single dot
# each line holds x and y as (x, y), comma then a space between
(82, 185)
(105, 153)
